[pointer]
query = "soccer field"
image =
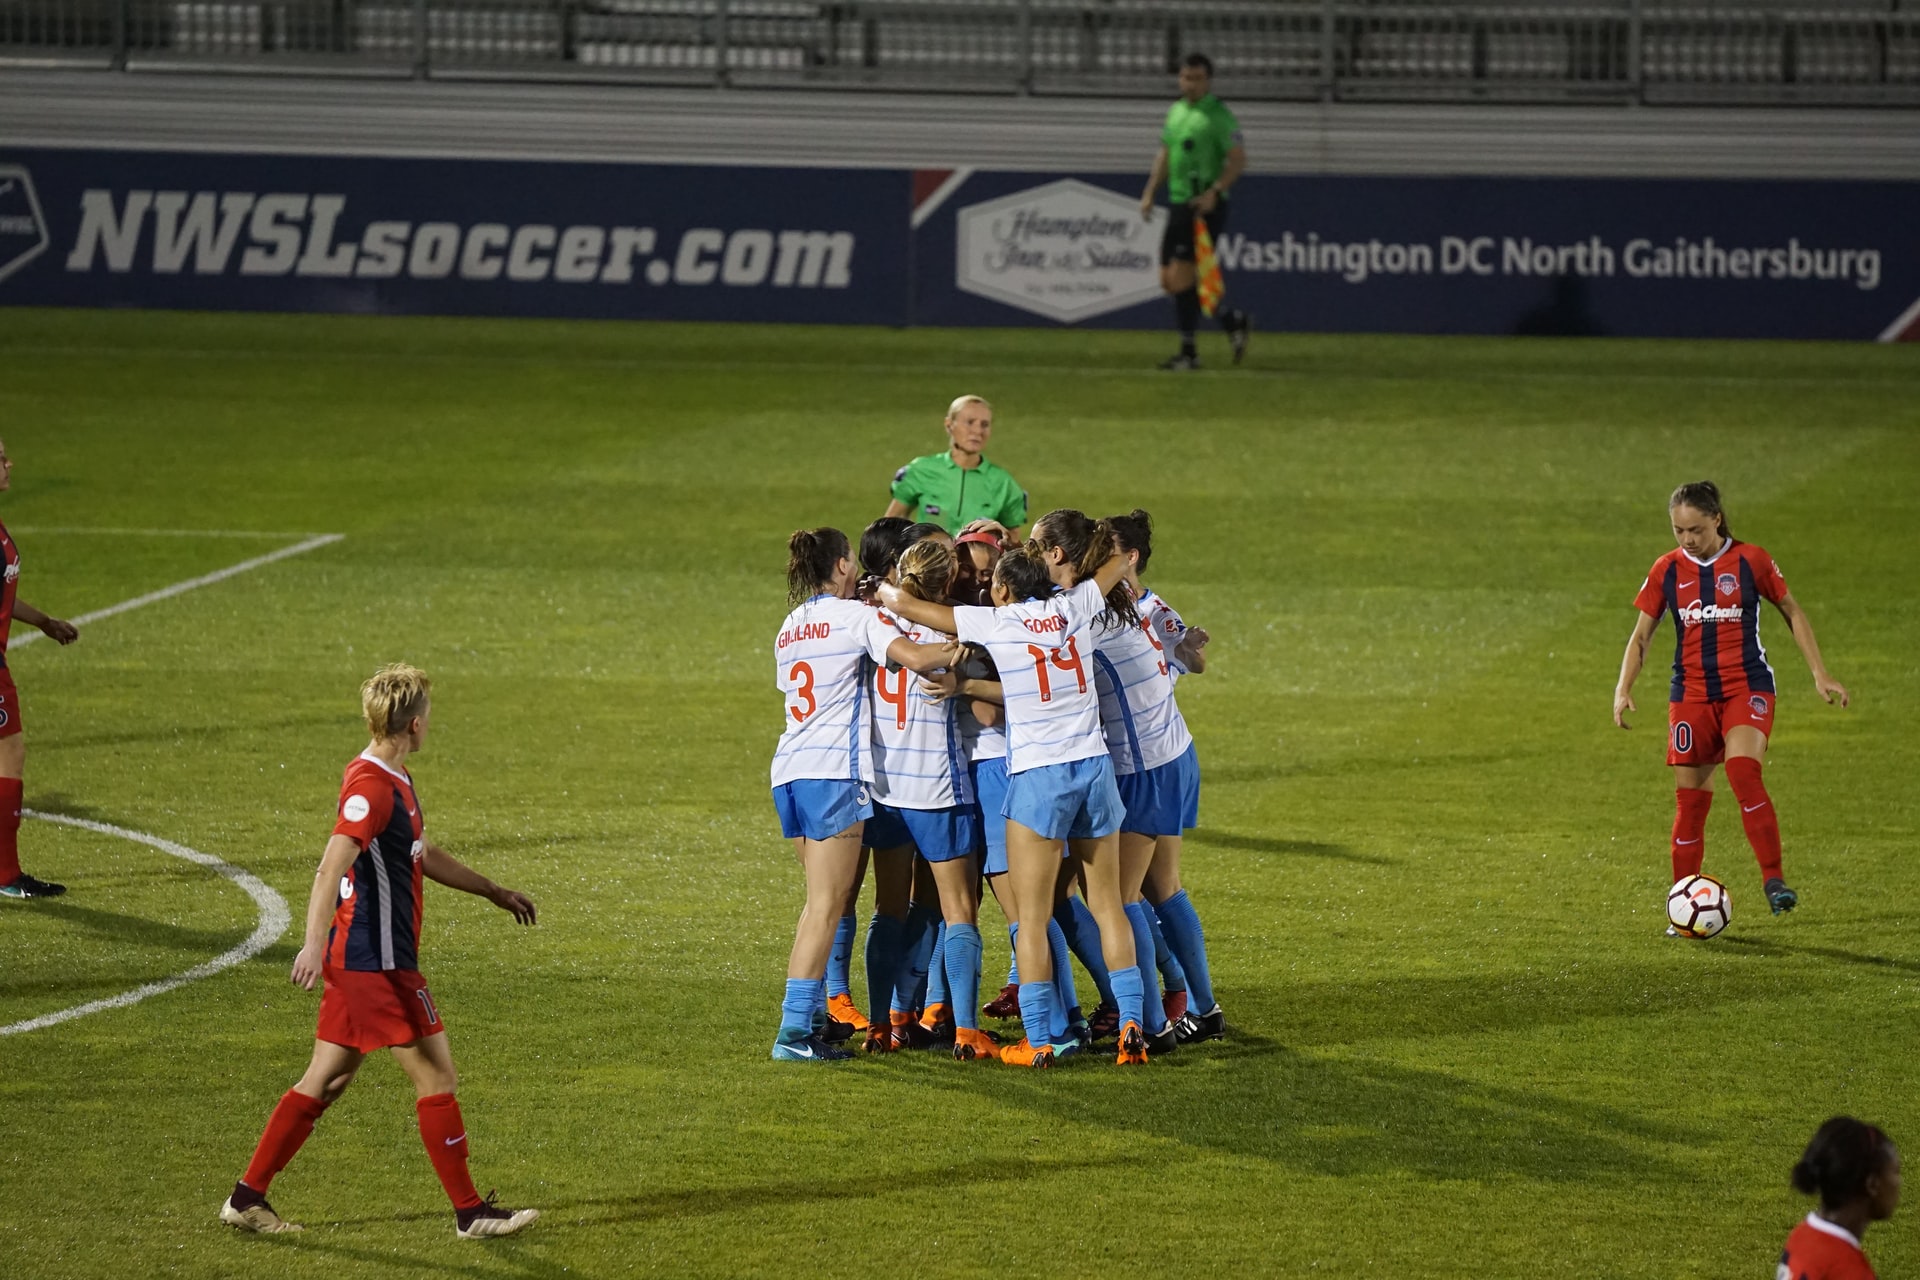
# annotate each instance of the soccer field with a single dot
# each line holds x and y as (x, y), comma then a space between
(1431, 870)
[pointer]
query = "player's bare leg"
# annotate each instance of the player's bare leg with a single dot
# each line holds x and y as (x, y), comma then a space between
(1206, 1021)
(1033, 867)
(428, 1062)
(1746, 754)
(830, 865)
(329, 1072)
(1099, 863)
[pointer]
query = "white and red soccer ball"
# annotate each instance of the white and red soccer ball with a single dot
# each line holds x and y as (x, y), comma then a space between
(1698, 907)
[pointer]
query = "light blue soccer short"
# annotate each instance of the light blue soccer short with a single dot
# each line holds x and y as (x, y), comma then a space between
(820, 808)
(1072, 801)
(1163, 801)
(990, 784)
(939, 835)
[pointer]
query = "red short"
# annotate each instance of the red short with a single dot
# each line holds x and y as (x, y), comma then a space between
(368, 1011)
(9, 705)
(1697, 731)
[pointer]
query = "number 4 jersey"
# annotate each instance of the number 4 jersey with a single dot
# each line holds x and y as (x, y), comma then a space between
(820, 664)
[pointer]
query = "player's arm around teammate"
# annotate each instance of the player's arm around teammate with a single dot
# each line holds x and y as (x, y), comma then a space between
(15, 883)
(1721, 699)
(821, 772)
(362, 942)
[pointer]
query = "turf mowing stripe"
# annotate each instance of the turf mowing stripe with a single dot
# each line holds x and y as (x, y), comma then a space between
(205, 580)
(274, 920)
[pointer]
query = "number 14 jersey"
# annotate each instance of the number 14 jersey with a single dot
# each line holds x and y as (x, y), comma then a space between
(1044, 649)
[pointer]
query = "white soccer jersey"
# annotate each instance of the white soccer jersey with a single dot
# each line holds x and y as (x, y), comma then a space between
(1142, 722)
(980, 741)
(1044, 649)
(919, 761)
(821, 659)
(1169, 628)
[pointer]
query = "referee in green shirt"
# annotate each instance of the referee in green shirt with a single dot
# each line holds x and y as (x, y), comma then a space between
(1201, 157)
(955, 488)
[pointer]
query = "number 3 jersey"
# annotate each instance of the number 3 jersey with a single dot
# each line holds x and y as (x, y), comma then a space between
(821, 660)
(376, 916)
(1043, 648)
(919, 756)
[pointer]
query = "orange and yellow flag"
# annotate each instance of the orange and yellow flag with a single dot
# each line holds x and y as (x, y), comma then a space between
(1212, 284)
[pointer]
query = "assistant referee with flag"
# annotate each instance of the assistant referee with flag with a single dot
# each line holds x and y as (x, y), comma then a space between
(1201, 157)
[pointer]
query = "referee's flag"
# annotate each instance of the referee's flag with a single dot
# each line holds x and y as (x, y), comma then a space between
(1212, 284)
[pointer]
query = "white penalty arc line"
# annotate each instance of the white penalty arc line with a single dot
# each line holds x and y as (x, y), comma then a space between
(273, 922)
(191, 584)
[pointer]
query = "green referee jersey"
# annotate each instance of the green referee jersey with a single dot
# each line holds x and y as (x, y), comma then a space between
(1197, 138)
(950, 497)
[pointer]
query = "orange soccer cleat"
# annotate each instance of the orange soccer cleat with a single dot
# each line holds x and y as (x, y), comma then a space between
(972, 1045)
(934, 1014)
(1133, 1046)
(1025, 1054)
(880, 1040)
(841, 1008)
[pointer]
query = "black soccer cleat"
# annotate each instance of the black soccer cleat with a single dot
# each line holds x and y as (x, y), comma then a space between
(808, 1049)
(1164, 1041)
(1104, 1025)
(26, 886)
(488, 1219)
(1781, 898)
(1181, 361)
(1238, 335)
(1211, 1025)
(835, 1032)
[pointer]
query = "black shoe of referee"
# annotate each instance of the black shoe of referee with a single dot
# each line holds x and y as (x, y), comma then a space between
(1238, 334)
(1182, 361)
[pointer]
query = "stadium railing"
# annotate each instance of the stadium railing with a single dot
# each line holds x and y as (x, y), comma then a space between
(1854, 52)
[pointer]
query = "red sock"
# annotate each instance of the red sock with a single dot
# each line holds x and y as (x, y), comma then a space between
(288, 1127)
(1689, 830)
(9, 830)
(445, 1134)
(1756, 814)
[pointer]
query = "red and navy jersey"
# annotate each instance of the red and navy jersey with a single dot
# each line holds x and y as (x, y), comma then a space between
(1716, 619)
(11, 554)
(1819, 1250)
(376, 917)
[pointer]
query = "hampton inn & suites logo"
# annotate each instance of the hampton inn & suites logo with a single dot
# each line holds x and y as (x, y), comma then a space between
(1067, 250)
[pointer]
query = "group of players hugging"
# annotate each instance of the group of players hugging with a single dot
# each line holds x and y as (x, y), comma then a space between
(968, 709)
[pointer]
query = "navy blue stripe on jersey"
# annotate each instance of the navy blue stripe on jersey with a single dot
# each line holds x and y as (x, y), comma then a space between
(383, 933)
(1704, 576)
(1677, 689)
(1126, 712)
(1759, 675)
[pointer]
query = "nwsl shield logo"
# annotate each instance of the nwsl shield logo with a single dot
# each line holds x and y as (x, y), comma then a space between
(23, 229)
(1727, 583)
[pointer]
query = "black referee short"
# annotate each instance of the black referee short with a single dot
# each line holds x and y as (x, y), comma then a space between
(1176, 242)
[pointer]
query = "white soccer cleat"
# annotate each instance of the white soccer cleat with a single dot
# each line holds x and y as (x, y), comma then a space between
(256, 1217)
(488, 1219)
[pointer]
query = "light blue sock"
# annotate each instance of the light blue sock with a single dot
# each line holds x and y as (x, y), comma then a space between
(937, 968)
(916, 949)
(1082, 934)
(883, 961)
(1065, 998)
(796, 1010)
(840, 959)
(962, 965)
(1143, 948)
(1013, 960)
(1036, 1010)
(1172, 976)
(1189, 946)
(1129, 994)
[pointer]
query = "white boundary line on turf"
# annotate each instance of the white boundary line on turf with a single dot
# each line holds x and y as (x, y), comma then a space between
(273, 922)
(205, 580)
(160, 533)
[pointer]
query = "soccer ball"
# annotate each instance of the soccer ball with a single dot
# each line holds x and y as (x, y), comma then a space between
(1699, 907)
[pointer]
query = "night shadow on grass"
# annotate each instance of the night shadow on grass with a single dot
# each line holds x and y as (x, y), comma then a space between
(141, 930)
(1768, 947)
(1276, 844)
(491, 1258)
(197, 735)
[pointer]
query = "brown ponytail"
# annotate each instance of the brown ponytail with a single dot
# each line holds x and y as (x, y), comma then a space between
(926, 569)
(1088, 545)
(812, 556)
(1703, 496)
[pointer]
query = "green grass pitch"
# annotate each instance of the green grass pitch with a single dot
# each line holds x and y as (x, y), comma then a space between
(1430, 869)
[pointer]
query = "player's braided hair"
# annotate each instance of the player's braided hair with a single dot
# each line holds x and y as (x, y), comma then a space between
(1703, 496)
(926, 570)
(393, 697)
(1088, 544)
(1135, 532)
(1844, 1153)
(811, 557)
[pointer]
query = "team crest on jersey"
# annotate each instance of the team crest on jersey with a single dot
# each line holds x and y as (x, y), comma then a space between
(1727, 583)
(1758, 703)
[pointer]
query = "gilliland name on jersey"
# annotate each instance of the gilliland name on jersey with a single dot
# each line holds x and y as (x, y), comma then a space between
(1693, 615)
(1358, 261)
(282, 234)
(805, 631)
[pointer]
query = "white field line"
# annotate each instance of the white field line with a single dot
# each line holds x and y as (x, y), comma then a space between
(273, 922)
(191, 584)
(161, 533)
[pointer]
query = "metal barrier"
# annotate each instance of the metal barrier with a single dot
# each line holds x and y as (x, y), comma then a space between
(1650, 51)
